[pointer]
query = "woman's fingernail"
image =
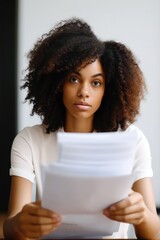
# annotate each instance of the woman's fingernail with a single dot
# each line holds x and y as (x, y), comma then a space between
(112, 208)
(106, 212)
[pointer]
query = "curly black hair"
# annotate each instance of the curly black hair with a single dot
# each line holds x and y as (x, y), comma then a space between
(70, 46)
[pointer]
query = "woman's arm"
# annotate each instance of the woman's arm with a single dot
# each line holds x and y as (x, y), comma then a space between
(25, 219)
(150, 226)
(138, 209)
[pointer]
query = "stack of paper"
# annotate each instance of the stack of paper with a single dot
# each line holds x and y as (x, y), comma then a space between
(93, 171)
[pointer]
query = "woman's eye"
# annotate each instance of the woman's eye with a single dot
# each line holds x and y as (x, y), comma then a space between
(96, 83)
(73, 80)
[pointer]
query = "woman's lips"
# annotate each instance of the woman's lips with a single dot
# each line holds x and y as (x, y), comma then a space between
(82, 106)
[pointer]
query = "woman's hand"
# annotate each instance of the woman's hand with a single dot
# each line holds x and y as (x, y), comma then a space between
(130, 210)
(34, 221)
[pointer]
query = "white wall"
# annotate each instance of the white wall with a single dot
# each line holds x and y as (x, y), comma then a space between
(134, 22)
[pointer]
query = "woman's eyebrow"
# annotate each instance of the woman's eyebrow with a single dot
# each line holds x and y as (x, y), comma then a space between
(95, 75)
(77, 73)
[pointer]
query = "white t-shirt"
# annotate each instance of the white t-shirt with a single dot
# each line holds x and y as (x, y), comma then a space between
(33, 147)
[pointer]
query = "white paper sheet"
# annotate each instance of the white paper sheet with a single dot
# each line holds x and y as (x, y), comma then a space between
(80, 201)
(87, 179)
(107, 150)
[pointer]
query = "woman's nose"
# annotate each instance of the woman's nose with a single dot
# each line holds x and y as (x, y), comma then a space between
(83, 91)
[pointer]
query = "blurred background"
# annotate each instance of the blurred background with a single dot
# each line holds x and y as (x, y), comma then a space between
(135, 23)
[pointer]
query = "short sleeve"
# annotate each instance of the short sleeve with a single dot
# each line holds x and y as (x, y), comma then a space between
(142, 164)
(21, 157)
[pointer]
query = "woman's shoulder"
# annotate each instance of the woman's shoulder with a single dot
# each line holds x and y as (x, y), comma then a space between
(136, 129)
(139, 133)
(40, 128)
(36, 132)
(35, 129)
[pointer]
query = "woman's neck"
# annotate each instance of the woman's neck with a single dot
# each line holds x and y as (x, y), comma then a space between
(79, 125)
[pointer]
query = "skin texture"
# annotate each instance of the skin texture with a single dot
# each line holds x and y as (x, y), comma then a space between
(138, 209)
(82, 95)
(29, 220)
(98, 88)
(68, 48)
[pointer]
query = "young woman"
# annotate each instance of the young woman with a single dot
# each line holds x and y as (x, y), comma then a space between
(78, 83)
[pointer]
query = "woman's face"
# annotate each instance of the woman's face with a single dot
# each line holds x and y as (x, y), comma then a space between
(83, 91)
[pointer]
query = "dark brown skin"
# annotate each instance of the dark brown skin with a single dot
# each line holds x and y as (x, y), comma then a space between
(52, 59)
(72, 48)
